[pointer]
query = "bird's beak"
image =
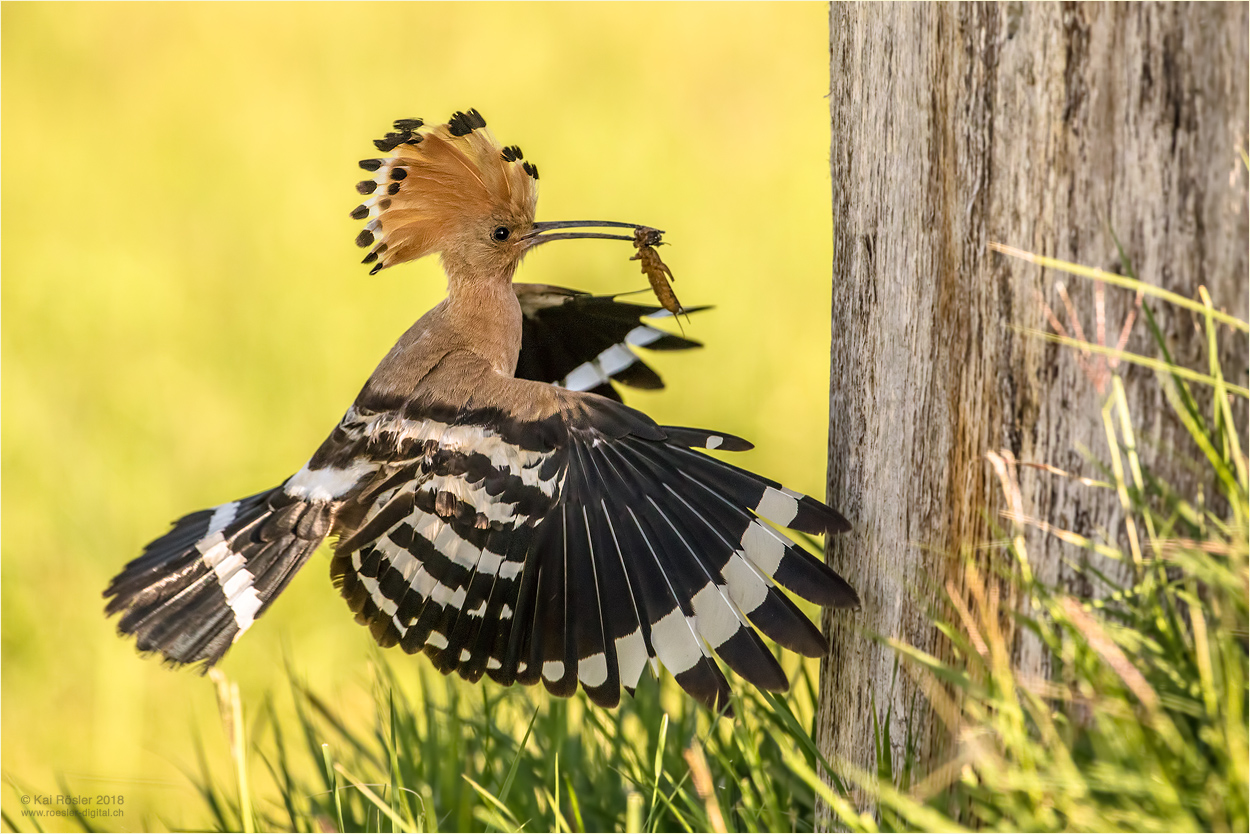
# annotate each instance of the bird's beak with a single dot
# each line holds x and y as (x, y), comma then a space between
(544, 232)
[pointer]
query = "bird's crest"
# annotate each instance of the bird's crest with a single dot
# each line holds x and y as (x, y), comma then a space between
(435, 177)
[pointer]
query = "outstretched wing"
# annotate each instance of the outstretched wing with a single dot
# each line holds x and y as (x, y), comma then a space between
(586, 342)
(583, 547)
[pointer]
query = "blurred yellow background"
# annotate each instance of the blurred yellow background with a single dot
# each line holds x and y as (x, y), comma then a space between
(185, 317)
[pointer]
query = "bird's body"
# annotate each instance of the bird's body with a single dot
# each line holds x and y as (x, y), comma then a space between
(503, 523)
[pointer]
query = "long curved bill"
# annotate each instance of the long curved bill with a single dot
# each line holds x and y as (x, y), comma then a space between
(549, 231)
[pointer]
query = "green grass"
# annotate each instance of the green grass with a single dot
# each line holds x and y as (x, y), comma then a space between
(436, 755)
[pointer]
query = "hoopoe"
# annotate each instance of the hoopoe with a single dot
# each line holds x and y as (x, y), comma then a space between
(494, 503)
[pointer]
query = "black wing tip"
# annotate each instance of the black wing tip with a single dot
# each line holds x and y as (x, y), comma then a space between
(705, 439)
(782, 622)
(606, 695)
(172, 662)
(746, 656)
(816, 517)
(201, 657)
(842, 593)
(671, 341)
(565, 687)
(527, 676)
(706, 684)
(838, 594)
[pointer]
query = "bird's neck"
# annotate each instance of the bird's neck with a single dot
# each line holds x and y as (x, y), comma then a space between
(484, 313)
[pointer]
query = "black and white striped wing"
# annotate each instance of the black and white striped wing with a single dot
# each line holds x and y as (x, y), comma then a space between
(585, 548)
(195, 591)
(587, 342)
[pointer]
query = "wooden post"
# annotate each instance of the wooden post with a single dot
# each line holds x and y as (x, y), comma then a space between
(1042, 126)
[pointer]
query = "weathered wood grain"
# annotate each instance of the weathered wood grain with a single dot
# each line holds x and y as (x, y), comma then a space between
(1039, 126)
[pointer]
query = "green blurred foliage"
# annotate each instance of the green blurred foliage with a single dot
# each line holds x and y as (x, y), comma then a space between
(185, 318)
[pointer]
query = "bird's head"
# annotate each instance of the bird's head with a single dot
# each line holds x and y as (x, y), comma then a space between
(452, 188)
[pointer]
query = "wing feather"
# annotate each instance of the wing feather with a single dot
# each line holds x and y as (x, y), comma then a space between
(587, 342)
(604, 545)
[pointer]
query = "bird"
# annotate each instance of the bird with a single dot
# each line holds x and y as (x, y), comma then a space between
(491, 500)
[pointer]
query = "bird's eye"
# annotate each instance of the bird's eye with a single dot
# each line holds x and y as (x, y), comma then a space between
(501, 233)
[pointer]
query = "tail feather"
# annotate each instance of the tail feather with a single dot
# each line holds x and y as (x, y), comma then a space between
(195, 590)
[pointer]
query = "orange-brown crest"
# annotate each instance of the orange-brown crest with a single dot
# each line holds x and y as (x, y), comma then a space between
(438, 182)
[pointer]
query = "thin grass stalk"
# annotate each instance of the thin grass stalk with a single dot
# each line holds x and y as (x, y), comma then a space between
(1130, 282)
(380, 804)
(1158, 365)
(333, 778)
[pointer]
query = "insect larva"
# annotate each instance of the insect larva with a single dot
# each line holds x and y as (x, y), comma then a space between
(657, 272)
